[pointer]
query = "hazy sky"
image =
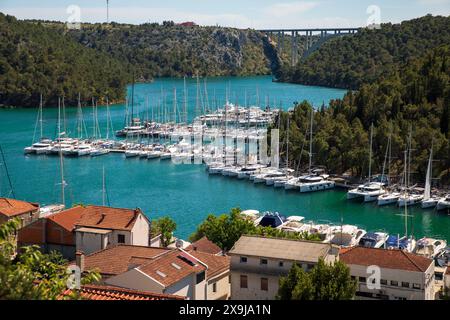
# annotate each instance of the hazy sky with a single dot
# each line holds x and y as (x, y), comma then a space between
(234, 13)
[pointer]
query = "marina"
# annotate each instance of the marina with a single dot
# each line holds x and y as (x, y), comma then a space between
(177, 188)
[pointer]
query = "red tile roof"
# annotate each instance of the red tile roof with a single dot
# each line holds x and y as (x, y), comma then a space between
(390, 259)
(204, 245)
(96, 292)
(12, 207)
(106, 217)
(216, 264)
(171, 267)
(119, 259)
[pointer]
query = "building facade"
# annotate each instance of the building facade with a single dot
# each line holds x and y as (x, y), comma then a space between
(257, 264)
(390, 274)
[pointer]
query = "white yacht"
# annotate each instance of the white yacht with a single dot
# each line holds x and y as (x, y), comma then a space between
(165, 155)
(346, 235)
(292, 183)
(132, 153)
(409, 199)
(429, 247)
(388, 198)
(374, 239)
(444, 203)
(216, 169)
(83, 150)
(98, 152)
(368, 192)
(38, 148)
(272, 177)
(154, 154)
(293, 224)
(315, 183)
(401, 243)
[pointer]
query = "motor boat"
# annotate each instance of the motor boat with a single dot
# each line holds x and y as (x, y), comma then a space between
(38, 148)
(273, 220)
(401, 243)
(253, 215)
(83, 150)
(368, 192)
(388, 198)
(216, 169)
(280, 182)
(374, 240)
(154, 154)
(293, 224)
(429, 247)
(443, 203)
(165, 156)
(292, 184)
(346, 235)
(272, 177)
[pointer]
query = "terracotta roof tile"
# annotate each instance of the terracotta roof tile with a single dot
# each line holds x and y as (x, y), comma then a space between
(171, 267)
(216, 264)
(12, 207)
(106, 217)
(390, 259)
(96, 292)
(204, 245)
(119, 259)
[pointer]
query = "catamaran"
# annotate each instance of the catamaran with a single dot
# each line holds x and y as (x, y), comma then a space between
(371, 190)
(443, 203)
(428, 200)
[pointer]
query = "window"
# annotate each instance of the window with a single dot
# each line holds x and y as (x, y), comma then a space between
(281, 264)
(243, 259)
(394, 283)
(383, 282)
(405, 284)
(310, 266)
(121, 238)
(200, 277)
(215, 287)
(264, 284)
(362, 279)
(244, 284)
(264, 262)
(416, 286)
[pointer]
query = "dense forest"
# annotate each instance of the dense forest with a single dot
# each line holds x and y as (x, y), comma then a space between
(35, 59)
(370, 55)
(175, 50)
(98, 60)
(416, 97)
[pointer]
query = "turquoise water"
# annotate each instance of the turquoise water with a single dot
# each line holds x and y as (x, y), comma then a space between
(184, 192)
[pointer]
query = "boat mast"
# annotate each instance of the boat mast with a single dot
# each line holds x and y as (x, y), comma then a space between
(287, 143)
(107, 118)
(405, 194)
(311, 140)
(185, 101)
(387, 155)
(427, 192)
(132, 102)
(40, 116)
(61, 162)
(370, 152)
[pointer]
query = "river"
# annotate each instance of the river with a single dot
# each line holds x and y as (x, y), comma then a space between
(184, 192)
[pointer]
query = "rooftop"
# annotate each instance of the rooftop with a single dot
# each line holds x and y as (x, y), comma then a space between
(106, 217)
(96, 292)
(172, 266)
(294, 250)
(12, 207)
(121, 258)
(204, 245)
(389, 259)
(216, 264)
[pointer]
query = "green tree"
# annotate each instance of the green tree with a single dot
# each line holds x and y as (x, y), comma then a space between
(323, 282)
(30, 274)
(165, 227)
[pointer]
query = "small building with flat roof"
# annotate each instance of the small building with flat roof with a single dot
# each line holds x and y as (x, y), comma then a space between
(257, 263)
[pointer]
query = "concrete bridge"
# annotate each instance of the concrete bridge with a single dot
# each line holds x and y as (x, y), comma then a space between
(311, 39)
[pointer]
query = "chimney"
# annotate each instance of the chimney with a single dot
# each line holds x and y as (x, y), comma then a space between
(79, 259)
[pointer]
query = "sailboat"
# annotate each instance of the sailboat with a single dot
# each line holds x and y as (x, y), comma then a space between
(429, 201)
(315, 180)
(409, 198)
(44, 144)
(371, 190)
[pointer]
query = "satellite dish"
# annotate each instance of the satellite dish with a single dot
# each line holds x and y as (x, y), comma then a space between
(179, 243)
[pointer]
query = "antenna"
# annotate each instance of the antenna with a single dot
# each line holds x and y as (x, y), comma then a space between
(107, 11)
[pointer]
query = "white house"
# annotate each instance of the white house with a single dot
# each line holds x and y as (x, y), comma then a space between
(191, 274)
(100, 227)
(401, 275)
(257, 263)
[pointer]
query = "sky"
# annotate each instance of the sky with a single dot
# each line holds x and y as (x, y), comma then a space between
(257, 14)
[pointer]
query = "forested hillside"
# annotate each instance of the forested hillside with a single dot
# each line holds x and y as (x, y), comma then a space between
(416, 96)
(35, 59)
(349, 61)
(174, 50)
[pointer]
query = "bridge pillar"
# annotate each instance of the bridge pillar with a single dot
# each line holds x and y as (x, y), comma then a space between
(293, 47)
